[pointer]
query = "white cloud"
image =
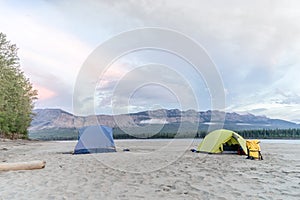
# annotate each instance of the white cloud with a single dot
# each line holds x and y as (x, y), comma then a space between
(154, 121)
(254, 44)
(50, 57)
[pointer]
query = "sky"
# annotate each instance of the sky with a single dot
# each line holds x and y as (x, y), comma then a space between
(254, 46)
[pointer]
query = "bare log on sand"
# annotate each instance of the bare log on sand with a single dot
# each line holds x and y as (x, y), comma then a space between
(22, 165)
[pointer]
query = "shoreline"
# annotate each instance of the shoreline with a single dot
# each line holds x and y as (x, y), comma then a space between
(151, 170)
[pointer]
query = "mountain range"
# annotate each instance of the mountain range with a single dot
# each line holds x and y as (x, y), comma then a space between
(59, 119)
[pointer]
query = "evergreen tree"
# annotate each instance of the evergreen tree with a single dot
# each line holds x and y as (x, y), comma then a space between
(16, 93)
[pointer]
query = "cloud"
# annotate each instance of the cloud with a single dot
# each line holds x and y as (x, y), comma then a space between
(50, 57)
(272, 103)
(288, 98)
(255, 46)
(144, 86)
(154, 121)
(44, 93)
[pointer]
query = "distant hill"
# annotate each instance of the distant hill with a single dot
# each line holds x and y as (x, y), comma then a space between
(53, 121)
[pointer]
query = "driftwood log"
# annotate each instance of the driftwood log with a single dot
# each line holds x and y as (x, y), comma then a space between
(22, 165)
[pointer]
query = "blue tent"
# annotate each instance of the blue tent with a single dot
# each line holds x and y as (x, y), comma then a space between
(95, 139)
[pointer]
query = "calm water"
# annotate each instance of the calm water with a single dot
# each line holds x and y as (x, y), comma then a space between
(275, 141)
(280, 141)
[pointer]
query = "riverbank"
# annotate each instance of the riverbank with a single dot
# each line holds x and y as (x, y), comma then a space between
(152, 169)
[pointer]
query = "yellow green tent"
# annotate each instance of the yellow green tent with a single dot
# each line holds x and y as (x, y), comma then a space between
(219, 140)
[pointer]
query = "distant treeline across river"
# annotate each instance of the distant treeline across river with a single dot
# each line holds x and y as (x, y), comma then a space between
(133, 133)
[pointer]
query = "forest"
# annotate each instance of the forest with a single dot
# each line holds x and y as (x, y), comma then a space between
(72, 134)
(16, 93)
(247, 134)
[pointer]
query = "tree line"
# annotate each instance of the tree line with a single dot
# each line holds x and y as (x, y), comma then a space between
(247, 134)
(72, 134)
(16, 93)
(271, 133)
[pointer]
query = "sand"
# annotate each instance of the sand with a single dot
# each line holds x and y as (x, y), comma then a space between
(153, 169)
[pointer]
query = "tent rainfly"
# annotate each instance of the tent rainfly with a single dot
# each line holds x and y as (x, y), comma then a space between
(221, 140)
(95, 139)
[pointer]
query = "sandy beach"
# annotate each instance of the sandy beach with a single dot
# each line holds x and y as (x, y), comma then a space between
(152, 169)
